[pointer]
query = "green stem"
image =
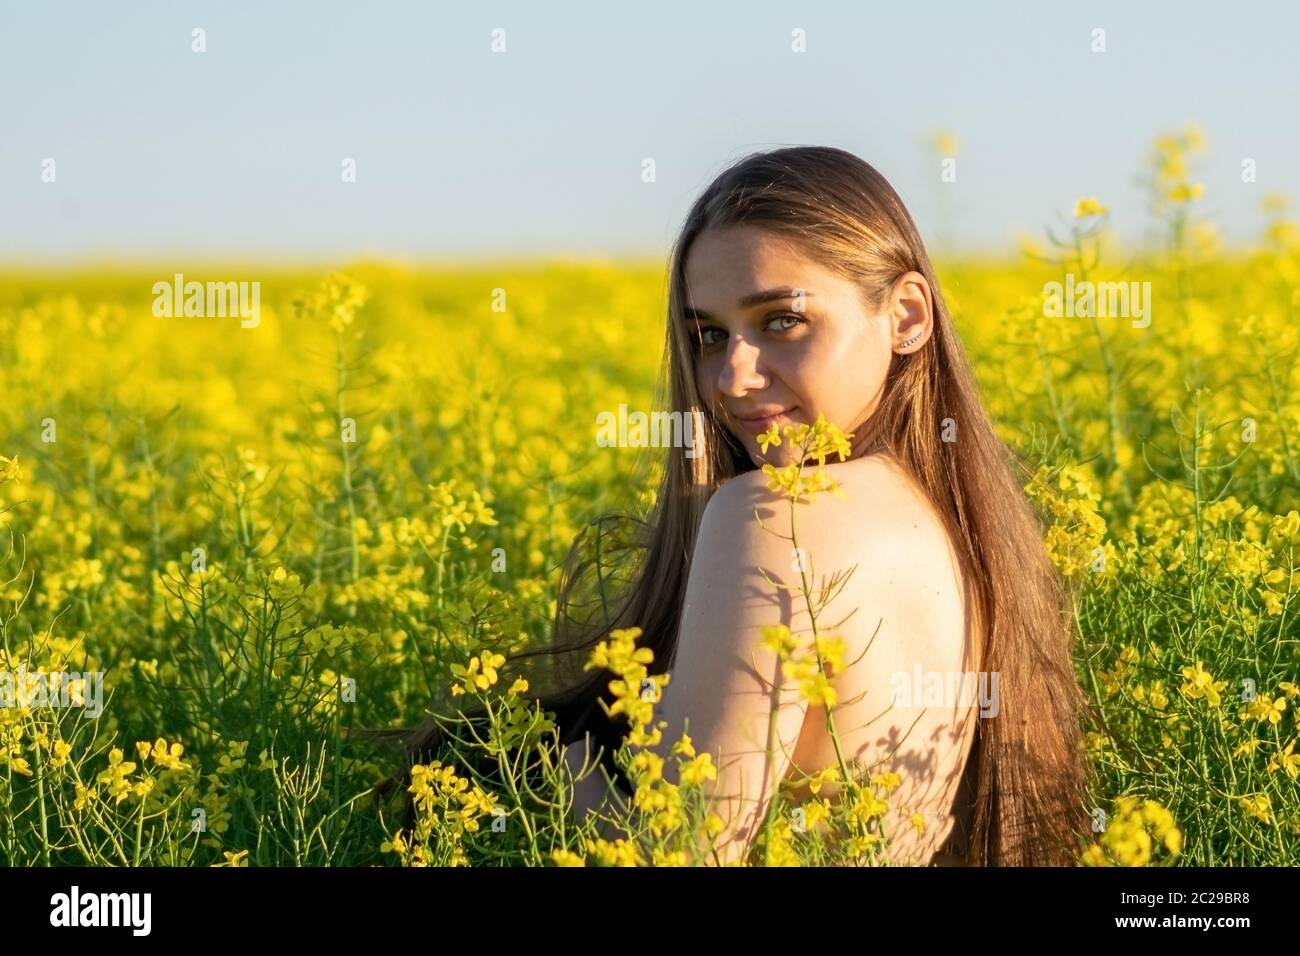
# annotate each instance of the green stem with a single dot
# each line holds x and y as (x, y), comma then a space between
(341, 369)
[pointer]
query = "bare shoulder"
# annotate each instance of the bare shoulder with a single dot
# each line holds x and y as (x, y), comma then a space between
(882, 506)
(885, 533)
(760, 559)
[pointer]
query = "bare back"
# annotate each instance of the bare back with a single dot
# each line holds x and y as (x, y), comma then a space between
(910, 693)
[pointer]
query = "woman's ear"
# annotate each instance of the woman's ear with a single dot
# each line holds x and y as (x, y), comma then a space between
(911, 312)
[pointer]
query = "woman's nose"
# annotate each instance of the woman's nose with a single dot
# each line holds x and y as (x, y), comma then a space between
(740, 372)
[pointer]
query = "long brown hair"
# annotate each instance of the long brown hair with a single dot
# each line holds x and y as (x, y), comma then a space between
(1031, 779)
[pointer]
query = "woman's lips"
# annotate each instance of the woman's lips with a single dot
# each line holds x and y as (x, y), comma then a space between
(763, 424)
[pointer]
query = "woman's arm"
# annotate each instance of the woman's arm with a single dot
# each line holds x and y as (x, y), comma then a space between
(593, 793)
(725, 688)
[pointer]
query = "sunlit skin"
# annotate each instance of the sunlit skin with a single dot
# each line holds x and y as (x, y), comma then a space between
(760, 346)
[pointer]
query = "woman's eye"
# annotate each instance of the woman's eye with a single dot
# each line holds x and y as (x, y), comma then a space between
(785, 322)
(795, 321)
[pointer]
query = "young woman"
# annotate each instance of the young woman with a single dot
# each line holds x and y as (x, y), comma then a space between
(799, 287)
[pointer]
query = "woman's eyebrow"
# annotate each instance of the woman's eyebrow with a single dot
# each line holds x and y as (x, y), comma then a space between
(753, 299)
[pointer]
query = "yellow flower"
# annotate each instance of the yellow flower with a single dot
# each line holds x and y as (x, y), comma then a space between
(1173, 166)
(62, 750)
(818, 690)
(234, 760)
(1131, 835)
(1174, 841)
(8, 469)
(479, 675)
(1088, 206)
(1285, 760)
(825, 439)
(819, 441)
(1185, 192)
(888, 780)
(115, 777)
(944, 143)
(821, 777)
(861, 846)
(1258, 806)
(169, 758)
(698, 770)
(1159, 700)
(1095, 855)
(777, 845)
(618, 853)
(778, 639)
(1247, 747)
(816, 812)
(832, 651)
(1264, 709)
(396, 845)
(866, 808)
(620, 653)
(1199, 683)
(769, 437)
(566, 858)
(143, 787)
(782, 479)
(84, 796)
(647, 767)
(337, 301)
(640, 737)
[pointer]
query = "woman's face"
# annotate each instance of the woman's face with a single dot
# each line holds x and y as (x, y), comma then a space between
(774, 333)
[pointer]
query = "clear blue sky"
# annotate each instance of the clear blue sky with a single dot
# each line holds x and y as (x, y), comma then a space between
(463, 153)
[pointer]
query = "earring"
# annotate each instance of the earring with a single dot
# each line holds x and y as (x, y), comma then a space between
(912, 341)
